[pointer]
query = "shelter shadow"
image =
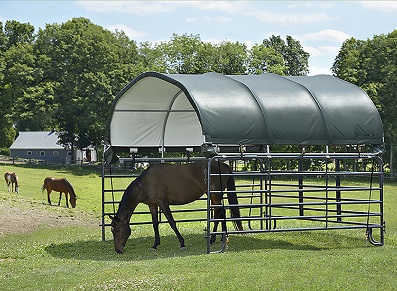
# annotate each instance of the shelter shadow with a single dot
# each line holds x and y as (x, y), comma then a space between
(137, 248)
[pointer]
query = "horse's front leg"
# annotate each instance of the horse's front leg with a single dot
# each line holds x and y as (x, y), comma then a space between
(154, 211)
(67, 199)
(167, 212)
(48, 197)
(60, 196)
(219, 213)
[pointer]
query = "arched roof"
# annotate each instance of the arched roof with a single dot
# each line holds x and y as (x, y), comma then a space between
(181, 110)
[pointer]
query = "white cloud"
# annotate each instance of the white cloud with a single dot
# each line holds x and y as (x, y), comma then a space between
(191, 19)
(141, 8)
(223, 19)
(385, 6)
(289, 19)
(228, 7)
(313, 51)
(249, 44)
(207, 18)
(321, 50)
(131, 33)
(325, 35)
(314, 70)
(144, 8)
(329, 50)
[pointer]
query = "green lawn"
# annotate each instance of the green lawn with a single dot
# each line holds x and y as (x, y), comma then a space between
(73, 257)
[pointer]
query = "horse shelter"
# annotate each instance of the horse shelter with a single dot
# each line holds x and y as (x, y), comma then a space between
(331, 179)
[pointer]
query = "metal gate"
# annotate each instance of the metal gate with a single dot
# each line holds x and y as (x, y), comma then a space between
(314, 191)
(116, 177)
(310, 191)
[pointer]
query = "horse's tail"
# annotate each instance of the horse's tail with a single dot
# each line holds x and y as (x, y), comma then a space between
(232, 198)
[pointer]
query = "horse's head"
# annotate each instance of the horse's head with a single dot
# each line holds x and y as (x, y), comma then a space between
(72, 200)
(121, 231)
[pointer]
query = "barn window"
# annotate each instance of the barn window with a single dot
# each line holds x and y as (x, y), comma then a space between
(55, 153)
(29, 153)
(42, 153)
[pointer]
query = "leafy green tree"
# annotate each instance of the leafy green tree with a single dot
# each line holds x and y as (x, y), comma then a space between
(347, 64)
(265, 59)
(151, 58)
(17, 72)
(84, 67)
(371, 64)
(296, 60)
(188, 54)
(181, 54)
(274, 55)
(231, 58)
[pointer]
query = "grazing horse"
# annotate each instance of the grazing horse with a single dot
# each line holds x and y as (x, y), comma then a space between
(162, 185)
(12, 178)
(62, 186)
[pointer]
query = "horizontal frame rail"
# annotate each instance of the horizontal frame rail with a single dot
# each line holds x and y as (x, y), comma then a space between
(340, 195)
(331, 202)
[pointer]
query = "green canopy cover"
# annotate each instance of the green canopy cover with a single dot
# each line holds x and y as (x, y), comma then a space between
(180, 110)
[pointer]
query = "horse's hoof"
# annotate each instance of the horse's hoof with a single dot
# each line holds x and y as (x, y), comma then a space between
(153, 249)
(183, 248)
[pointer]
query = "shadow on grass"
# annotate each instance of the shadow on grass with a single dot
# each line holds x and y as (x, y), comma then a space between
(138, 249)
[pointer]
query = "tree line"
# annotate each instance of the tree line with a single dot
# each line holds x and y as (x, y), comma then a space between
(372, 65)
(64, 77)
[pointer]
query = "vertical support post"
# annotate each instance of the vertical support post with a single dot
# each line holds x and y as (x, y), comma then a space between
(261, 169)
(338, 192)
(300, 186)
(381, 185)
(208, 179)
(103, 198)
(268, 193)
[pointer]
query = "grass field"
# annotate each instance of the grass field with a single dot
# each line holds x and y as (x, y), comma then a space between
(65, 252)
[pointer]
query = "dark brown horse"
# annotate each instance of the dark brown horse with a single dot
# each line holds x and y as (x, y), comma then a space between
(11, 178)
(62, 186)
(162, 185)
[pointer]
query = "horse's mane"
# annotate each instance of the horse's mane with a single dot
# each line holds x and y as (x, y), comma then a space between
(71, 190)
(129, 191)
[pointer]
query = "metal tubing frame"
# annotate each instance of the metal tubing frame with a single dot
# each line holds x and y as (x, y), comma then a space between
(332, 218)
(268, 195)
(114, 202)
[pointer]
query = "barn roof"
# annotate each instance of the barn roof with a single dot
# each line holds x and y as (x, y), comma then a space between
(169, 110)
(36, 140)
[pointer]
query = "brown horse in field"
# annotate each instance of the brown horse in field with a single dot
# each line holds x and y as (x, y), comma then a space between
(11, 178)
(62, 186)
(162, 185)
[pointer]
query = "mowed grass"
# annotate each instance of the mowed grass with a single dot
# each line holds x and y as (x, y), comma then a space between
(75, 257)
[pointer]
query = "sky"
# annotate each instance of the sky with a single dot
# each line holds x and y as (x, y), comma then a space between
(320, 26)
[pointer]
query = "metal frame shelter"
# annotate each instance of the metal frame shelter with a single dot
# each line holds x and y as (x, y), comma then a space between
(165, 112)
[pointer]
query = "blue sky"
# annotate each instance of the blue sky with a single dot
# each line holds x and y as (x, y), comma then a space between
(320, 26)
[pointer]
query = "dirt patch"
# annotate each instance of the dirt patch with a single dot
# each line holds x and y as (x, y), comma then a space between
(20, 215)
